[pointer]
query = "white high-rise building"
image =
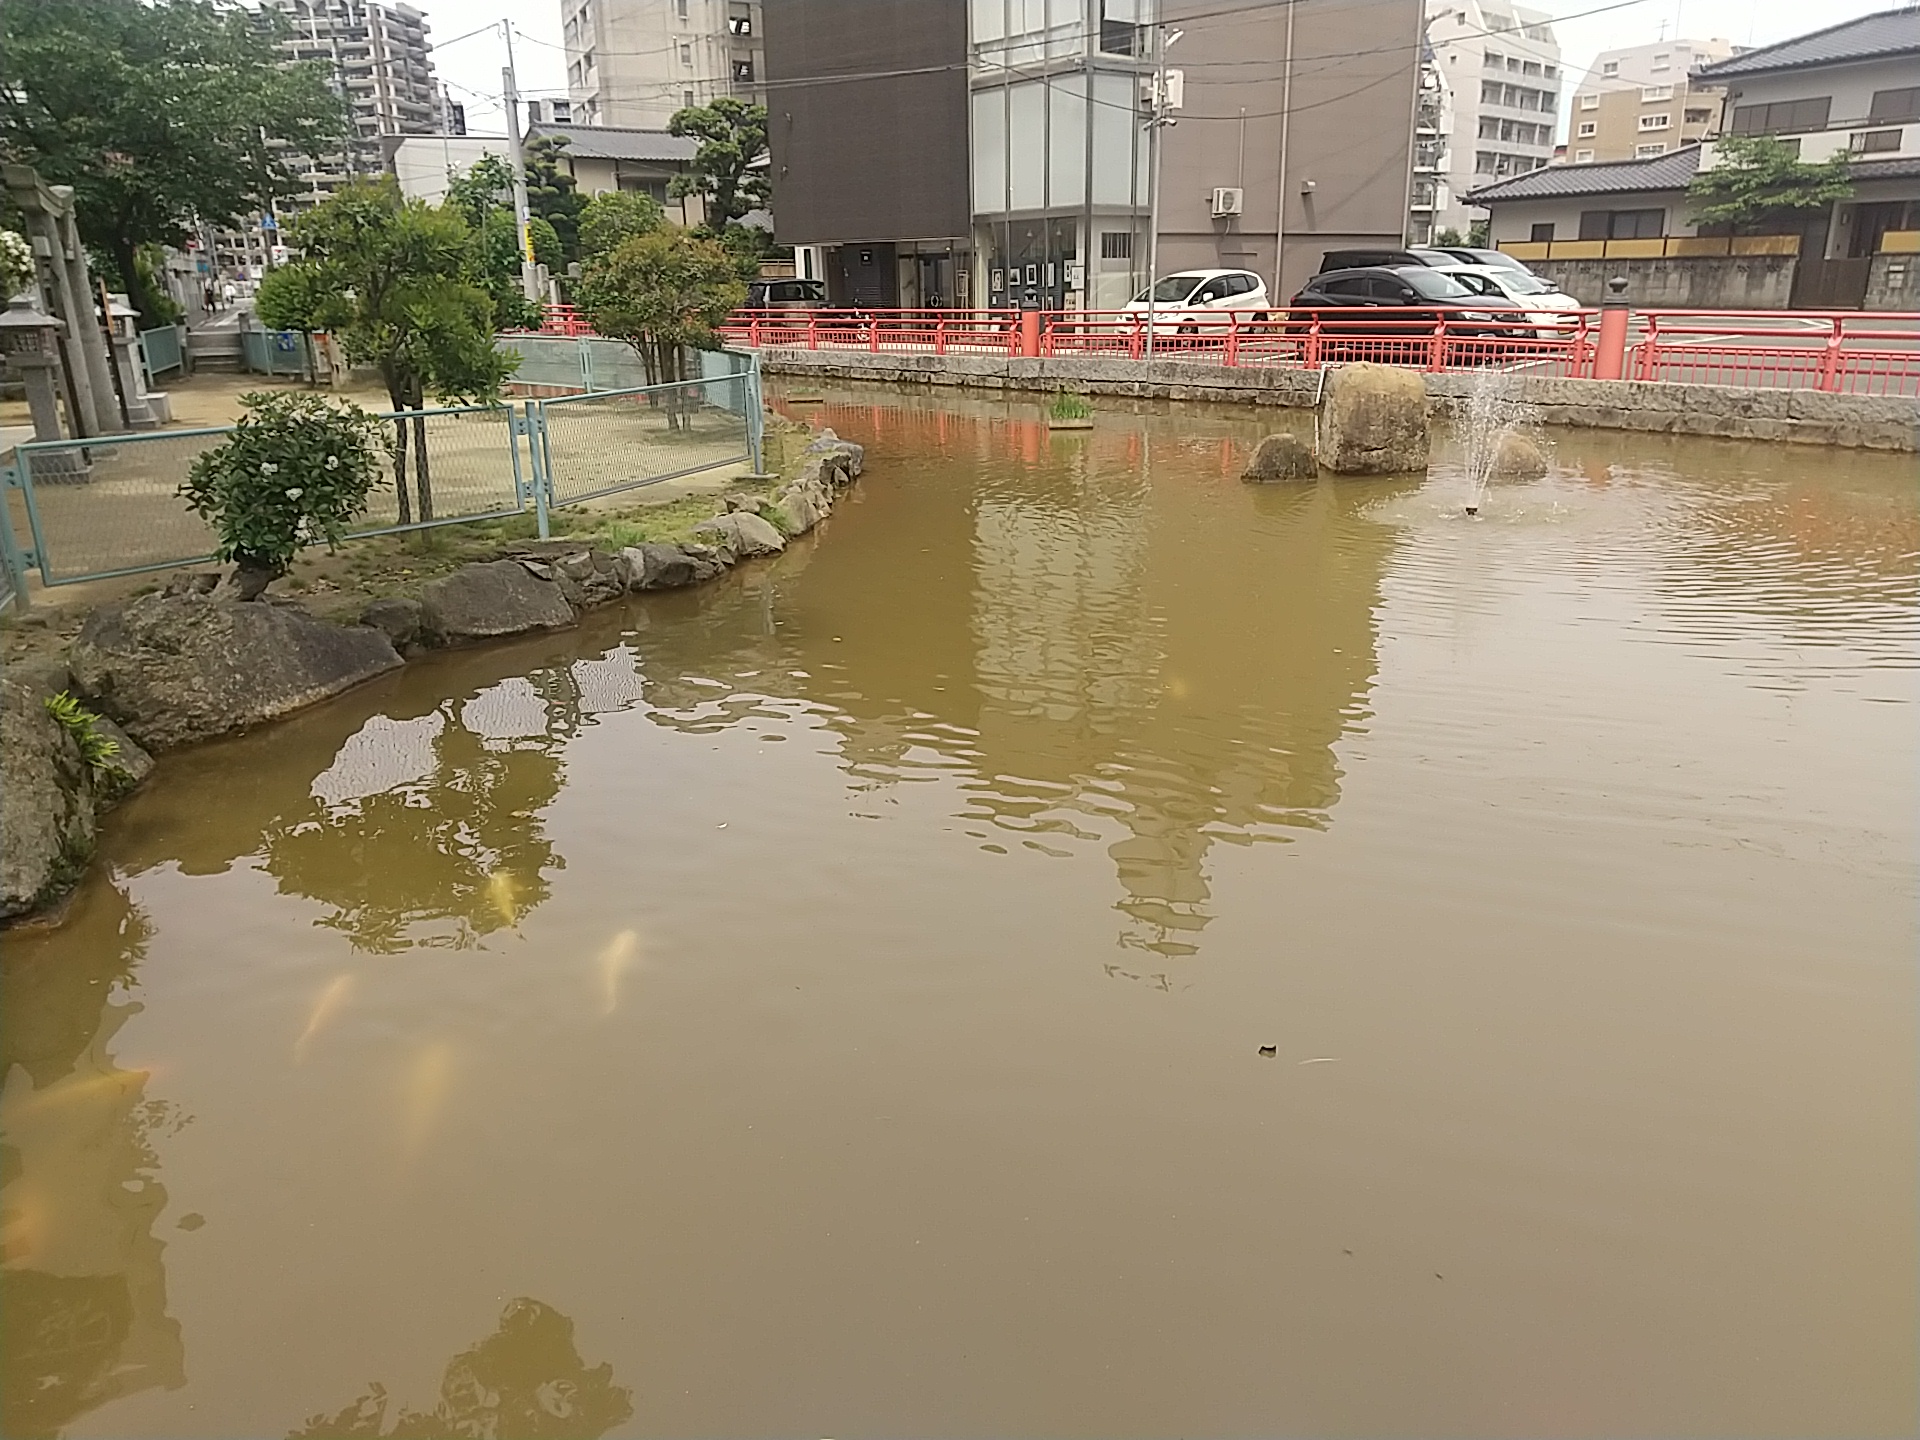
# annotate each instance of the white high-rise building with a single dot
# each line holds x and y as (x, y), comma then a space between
(1502, 66)
(634, 62)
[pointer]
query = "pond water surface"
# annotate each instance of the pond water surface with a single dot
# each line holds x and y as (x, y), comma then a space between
(833, 1002)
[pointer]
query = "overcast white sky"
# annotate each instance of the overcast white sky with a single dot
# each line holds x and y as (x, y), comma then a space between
(472, 66)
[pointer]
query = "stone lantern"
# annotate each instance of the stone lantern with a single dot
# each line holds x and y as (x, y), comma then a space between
(145, 409)
(29, 340)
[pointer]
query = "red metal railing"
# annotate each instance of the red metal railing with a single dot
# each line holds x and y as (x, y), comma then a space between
(1839, 352)
(1849, 352)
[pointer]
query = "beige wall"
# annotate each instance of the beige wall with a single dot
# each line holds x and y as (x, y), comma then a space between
(1347, 147)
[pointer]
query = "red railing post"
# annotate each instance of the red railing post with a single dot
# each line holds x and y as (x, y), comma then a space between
(940, 335)
(1830, 362)
(1610, 355)
(1030, 334)
(813, 330)
(753, 333)
(1310, 356)
(1437, 349)
(1233, 338)
(1135, 343)
(873, 334)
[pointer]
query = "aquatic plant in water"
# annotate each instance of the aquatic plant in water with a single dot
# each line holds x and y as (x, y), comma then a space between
(1069, 407)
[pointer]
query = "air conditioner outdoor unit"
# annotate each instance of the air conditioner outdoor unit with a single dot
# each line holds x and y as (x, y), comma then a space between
(1228, 200)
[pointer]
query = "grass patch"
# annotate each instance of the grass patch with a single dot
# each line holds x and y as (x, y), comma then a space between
(1069, 407)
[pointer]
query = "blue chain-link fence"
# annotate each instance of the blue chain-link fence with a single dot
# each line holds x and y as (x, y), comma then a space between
(92, 509)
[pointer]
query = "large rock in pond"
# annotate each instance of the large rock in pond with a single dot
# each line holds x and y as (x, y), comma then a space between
(1282, 457)
(488, 599)
(1517, 457)
(852, 457)
(173, 669)
(47, 801)
(1373, 421)
(742, 534)
(668, 567)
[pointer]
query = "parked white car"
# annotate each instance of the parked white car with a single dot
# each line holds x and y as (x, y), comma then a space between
(1181, 301)
(1547, 308)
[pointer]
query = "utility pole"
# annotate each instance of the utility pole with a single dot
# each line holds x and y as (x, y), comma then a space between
(510, 93)
(1159, 119)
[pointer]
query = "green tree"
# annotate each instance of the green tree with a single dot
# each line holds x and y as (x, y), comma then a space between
(554, 196)
(1758, 183)
(159, 113)
(663, 292)
(484, 198)
(726, 171)
(392, 279)
(618, 216)
(1449, 236)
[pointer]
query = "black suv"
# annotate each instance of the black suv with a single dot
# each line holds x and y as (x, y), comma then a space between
(1416, 295)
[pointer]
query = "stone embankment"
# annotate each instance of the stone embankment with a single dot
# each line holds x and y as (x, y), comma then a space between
(179, 665)
(1805, 417)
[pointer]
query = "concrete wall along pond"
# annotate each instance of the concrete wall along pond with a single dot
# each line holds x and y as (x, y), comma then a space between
(1809, 417)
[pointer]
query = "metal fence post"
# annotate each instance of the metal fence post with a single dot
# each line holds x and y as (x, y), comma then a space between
(10, 555)
(536, 424)
(756, 416)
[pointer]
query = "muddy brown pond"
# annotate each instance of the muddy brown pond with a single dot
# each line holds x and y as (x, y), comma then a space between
(838, 1001)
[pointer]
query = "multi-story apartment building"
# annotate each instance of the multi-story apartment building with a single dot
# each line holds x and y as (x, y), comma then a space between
(993, 152)
(1502, 64)
(634, 62)
(1645, 101)
(377, 57)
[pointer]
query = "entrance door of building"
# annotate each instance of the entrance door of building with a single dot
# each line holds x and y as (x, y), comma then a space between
(1836, 284)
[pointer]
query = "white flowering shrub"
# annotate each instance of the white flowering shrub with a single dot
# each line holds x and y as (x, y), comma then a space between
(295, 470)
(16, 264)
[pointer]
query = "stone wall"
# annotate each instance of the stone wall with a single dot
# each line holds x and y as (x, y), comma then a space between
(1801, 416)
(1742, 282)
(1893, 283)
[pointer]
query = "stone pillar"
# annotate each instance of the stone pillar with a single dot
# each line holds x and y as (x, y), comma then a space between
(46, 232)
(86, 328)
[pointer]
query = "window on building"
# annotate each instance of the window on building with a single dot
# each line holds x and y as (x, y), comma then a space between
(1589, 102)
(1542, 231)
(1873, 142)
(1120, 30)
(686, 99)
(1589, 128)
(740, 24)
(586, 63)
(1895, 104)
(574, 73)
(686, 53)
(1610, 67)
(1656, 92)
(1513, 64)
(1647, 152)
(1622, 224)
(1550, 72)
(1782, 117)
(1116, 244)
(680, 11)
(1699, 117)
(743, 70)
(1662, 61)
(1493, 60)
(1662, 121)
(1583, 157)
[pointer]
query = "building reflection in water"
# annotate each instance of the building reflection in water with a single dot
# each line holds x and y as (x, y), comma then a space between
(1068, 638)
(525, 1381)
(83, 1298)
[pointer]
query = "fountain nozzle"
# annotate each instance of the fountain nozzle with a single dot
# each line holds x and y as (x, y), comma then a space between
(1473, 509)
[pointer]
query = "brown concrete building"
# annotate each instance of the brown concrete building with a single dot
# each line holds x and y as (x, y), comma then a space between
(992, 152)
